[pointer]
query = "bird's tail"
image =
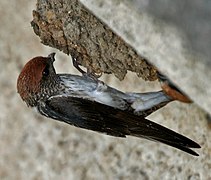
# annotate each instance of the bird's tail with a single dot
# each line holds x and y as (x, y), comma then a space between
(153, 131)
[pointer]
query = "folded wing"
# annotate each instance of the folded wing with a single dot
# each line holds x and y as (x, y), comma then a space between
(98, 117)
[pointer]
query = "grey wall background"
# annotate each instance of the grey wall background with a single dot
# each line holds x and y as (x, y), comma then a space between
(191, 16)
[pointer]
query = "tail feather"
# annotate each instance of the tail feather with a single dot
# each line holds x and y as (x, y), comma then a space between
(158, 133)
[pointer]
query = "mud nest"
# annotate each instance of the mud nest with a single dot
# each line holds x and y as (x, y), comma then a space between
(70, 27)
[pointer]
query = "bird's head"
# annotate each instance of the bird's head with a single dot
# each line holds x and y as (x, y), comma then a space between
(37, 79)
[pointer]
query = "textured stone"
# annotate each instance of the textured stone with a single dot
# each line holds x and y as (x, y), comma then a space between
(71, 28)
(172, 35)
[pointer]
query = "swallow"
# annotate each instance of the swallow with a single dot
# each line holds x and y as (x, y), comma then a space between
(86, 102)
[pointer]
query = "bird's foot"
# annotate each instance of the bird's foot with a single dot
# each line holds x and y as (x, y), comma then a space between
(89, 73)
(76, 65)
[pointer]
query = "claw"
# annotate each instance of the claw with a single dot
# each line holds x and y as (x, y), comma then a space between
(76, 65)
(89, 72)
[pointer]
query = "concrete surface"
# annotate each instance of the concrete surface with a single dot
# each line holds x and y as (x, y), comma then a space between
(173, 35)
(33, 147)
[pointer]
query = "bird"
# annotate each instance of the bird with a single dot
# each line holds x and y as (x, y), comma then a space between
(86, 102)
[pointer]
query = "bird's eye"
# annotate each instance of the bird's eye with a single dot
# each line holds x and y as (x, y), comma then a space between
(45, 72)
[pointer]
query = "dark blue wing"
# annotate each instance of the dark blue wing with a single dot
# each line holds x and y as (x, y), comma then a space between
(95, 116)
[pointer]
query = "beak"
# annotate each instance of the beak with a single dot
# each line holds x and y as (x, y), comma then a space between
(52, 56)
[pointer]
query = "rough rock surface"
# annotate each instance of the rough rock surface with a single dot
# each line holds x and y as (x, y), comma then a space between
(69, 27)
(172, 35)
(33, 147)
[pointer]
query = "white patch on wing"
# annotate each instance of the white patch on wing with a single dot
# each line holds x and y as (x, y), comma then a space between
(102, 97)
(140, 105)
